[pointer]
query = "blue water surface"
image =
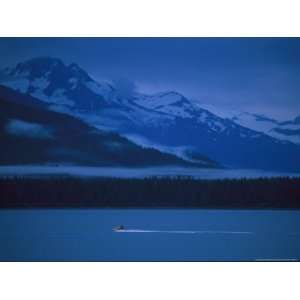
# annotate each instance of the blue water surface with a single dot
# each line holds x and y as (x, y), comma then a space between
(153, 235)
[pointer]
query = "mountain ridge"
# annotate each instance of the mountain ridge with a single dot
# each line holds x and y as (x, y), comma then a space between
(31, 134)
(168, 119)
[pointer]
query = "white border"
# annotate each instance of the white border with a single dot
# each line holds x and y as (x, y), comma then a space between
(149, 18)
(149, 280)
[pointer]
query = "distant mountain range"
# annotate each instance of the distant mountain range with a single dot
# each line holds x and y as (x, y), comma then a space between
(167, 121)
(283, 130)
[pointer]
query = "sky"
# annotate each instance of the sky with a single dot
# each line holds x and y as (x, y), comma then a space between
(260, 75)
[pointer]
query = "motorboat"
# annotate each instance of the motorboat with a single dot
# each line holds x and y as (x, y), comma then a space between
(119, 228)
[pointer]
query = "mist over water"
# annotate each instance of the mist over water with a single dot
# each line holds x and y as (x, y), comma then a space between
(120, 172)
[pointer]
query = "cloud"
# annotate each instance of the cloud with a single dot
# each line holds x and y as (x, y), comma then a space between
(179, 151)
(28, 129)
(125, 88)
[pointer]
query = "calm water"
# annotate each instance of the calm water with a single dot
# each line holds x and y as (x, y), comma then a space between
(153, 235)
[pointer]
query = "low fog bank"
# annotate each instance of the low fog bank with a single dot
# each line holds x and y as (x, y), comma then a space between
(170, 171)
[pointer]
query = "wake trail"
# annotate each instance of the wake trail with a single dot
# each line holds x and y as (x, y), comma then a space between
(184, 231)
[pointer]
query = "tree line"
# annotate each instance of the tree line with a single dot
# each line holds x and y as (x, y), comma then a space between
(179, 192)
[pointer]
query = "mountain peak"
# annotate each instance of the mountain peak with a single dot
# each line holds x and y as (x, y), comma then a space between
(42, 60)
(53, 81)
(36, 67)
(169, 94)
(46, 67)
(77, 70)
(167, 98)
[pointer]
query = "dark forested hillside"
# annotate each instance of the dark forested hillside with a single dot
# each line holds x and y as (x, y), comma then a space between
(149, 193)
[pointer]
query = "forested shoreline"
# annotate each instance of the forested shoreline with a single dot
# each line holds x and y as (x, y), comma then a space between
(179, 192)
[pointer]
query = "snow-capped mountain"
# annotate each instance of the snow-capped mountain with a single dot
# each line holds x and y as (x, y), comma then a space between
(168, 120)
(285, 131)
(289, 130)
(69, 89)
(32, 134)
(50, 80)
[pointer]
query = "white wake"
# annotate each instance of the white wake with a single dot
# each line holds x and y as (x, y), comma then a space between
(183, 231)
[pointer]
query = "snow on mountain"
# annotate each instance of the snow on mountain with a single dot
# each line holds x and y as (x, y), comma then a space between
(69, 89)
(50, 80)
(289, 130)
(32, 134)
(176, 106)
(167, 119)
(253, 121)
(168, 102)
(256, 122)
(285, 131)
